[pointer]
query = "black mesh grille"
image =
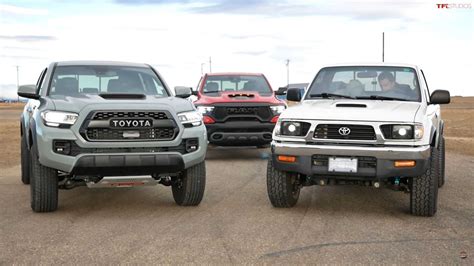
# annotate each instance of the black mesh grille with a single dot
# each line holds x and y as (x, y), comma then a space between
(242, 113)
(115, 134)
(132, 114)
(165, 129)
(357, 132)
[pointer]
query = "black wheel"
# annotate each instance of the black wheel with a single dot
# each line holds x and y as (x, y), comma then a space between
(25, 162)
(44, 186)
(442, 162)
(188, 188)
(283, 187)
(424, 189)
(263, 146)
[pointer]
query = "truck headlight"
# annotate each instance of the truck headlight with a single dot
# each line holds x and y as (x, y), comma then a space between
(294, 128)
(205, 109)
(402, 132)
(59, 119)
(278, 109)
(190, 119)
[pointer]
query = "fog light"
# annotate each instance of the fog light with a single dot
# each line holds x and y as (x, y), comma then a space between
(62, 147)
(192, 145)
(286, 159)
(400, 164)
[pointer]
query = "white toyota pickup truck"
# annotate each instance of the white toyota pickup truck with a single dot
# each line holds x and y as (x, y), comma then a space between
(369, 124)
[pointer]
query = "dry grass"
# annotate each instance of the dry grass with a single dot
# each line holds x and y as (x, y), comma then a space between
(458, 116)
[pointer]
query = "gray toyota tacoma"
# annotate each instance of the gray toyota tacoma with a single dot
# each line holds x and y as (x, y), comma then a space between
(109, 124)
(369, 124)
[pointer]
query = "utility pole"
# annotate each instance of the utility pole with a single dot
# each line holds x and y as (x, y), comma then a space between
(18, 80)
(383, 46)
(210, 65)
(288, 72)
(202, 68)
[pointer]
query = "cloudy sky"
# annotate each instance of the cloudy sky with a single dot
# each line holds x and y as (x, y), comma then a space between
(179, 36)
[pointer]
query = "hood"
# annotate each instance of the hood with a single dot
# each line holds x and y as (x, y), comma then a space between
(240, 96)
(76, 104)
(354, 110)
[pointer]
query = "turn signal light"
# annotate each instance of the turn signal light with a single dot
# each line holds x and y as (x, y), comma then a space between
(286, 159)
(404, 163)
(275, 119)
(208, 120)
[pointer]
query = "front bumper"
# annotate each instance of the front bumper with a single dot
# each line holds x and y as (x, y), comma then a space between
(383, 168)
(240, 133)
(119, 163)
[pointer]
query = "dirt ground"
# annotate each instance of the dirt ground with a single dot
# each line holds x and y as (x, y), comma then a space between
(235, 223)
(458, 116)
(10, 134)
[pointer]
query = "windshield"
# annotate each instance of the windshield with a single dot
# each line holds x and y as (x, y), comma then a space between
(78, 80)
(233, 83)
(359, 82)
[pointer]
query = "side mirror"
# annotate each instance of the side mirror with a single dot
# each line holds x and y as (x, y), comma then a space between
(440, 97)
(281, 91)
(195, 93)
(182, 92)
(293, 94)
(28, 91)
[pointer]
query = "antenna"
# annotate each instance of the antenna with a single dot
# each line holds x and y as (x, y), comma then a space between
(383, 46)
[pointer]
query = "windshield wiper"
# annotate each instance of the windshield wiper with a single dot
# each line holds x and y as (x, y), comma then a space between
(380, 97)
(326, 95)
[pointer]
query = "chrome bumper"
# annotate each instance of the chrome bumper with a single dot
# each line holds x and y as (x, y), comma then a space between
(389, 153)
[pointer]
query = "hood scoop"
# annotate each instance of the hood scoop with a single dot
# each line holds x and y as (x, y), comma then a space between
(353, 105)
(235, 95)
(122, 96)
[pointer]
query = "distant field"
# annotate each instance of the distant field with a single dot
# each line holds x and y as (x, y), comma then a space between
(458, 116)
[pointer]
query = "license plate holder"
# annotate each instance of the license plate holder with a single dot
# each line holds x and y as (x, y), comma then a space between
(131, 134)
(342, 164)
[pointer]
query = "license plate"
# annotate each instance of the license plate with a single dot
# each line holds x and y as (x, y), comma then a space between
(345, 165)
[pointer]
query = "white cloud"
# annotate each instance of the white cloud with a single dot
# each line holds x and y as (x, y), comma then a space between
(16, 10)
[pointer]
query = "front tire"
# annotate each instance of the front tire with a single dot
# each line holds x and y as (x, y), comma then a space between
(442, 162)
(25, 162)
(44, 186)
(424, 189)
(283, 187)
(188, 188)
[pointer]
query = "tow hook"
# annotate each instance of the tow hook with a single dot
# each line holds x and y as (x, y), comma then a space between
(165, 181)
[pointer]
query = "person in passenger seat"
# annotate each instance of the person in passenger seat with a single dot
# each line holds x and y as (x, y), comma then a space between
(389, 85)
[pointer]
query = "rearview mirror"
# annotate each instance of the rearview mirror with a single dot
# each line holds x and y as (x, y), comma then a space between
(182, 92)
(367, 74)
(281, 91)
(440, 97)
(293, 94)
(28, 91)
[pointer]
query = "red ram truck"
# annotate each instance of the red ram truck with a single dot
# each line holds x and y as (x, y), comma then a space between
(239, 109)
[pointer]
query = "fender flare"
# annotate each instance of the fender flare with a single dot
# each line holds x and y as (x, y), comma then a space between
(32, 141)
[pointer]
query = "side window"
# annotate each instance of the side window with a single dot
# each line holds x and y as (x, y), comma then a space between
(41, 80)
